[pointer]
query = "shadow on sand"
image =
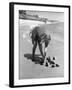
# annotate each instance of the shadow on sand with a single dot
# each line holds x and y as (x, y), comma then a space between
(37, 58)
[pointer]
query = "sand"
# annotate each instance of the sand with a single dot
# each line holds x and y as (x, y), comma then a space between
(30, 70)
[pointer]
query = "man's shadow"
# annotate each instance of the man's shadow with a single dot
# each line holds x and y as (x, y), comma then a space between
(37, 58)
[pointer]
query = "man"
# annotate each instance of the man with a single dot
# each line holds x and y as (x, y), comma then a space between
(39, 36)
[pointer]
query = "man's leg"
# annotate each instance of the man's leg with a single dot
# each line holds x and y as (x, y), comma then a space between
(46, 45)
(41, 51)
(47, 41)
(34, 48)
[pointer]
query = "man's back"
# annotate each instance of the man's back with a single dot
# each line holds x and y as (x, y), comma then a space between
(40, 30)
(40, 33)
